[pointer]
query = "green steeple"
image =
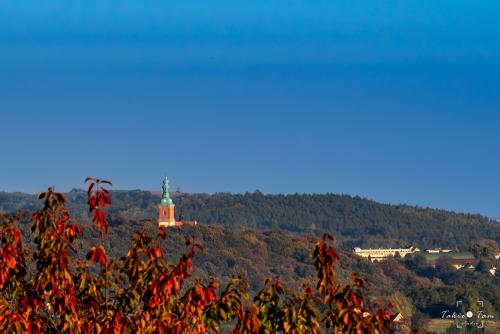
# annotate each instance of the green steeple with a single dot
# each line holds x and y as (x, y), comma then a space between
(165, 198)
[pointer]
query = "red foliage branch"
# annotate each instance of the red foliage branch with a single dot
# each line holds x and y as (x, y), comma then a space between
(98, 198)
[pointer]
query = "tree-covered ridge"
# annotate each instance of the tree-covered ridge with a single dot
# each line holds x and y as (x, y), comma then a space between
(47, 288)
(354, 220)
(416, 287)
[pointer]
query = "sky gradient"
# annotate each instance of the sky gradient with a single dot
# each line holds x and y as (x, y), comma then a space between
(397, 101)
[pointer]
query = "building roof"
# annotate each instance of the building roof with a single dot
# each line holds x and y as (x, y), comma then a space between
(398, 317)
(452, 255)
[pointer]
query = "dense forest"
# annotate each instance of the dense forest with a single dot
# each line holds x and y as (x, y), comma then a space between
(265, 236)
(418, 289)
(354, 221)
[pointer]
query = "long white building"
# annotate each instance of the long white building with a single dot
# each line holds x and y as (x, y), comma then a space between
(379, 254)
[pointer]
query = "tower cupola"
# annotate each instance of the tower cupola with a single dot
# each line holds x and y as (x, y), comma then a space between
(165, 198)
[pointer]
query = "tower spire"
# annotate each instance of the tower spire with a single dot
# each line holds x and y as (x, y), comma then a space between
(165, 198)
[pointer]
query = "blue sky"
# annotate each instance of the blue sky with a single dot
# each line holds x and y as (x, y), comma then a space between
(398, 101)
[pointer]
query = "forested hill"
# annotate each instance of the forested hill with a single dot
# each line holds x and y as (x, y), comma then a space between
(353, 220)
(418, 289)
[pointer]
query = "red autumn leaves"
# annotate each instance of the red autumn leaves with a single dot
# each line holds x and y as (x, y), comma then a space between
(142, 293)
(97, 254)
(9, 254)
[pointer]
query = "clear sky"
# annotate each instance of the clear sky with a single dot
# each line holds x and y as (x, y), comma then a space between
(398, 101)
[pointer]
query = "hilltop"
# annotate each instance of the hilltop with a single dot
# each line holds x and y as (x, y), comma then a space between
(354, 221)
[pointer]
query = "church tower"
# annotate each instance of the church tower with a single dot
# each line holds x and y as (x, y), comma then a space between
(166, 208)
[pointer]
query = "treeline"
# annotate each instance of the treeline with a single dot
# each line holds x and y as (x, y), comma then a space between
(237, 241)
(354, 220)
(47, 284)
